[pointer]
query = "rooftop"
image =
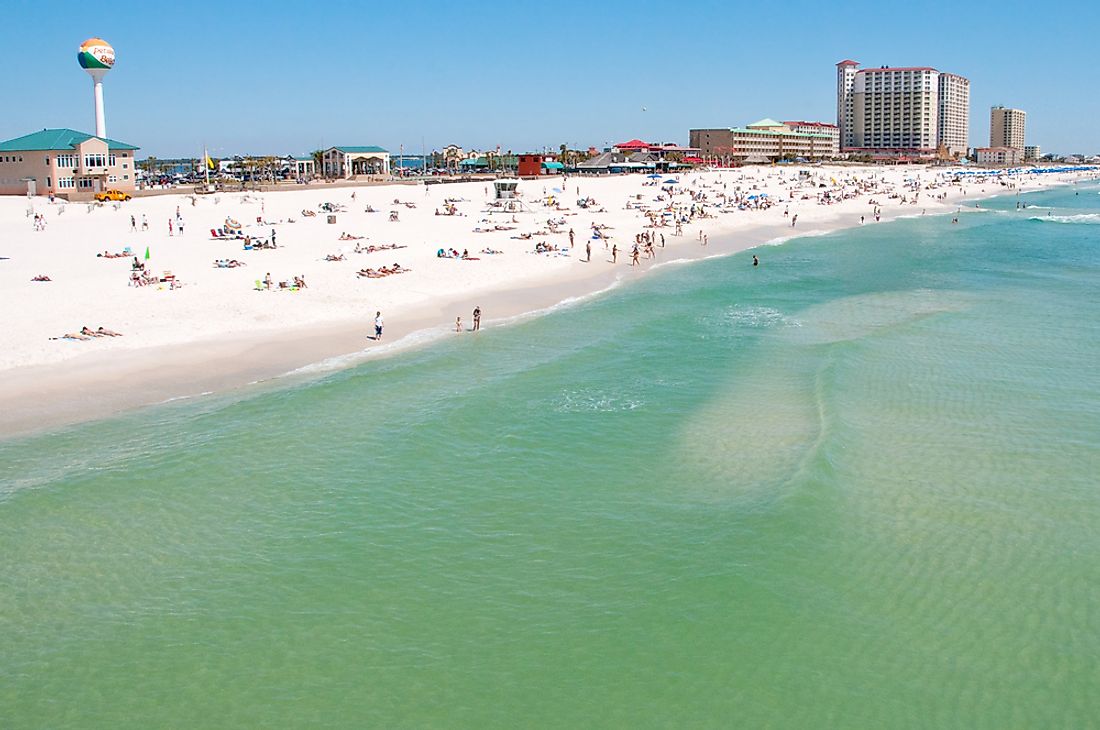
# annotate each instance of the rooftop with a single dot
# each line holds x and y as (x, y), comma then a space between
(56, 139)
(895, 68)
(776, 132)
(811, 124)
(352, 149)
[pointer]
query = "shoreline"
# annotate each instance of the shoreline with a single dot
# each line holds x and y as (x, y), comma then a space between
(38, 398)
(93, 386)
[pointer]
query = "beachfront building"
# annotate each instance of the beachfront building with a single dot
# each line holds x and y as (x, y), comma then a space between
(452, 155)
(490, 161)
(845, 104)
(608, 163)
(953, 117)
(999, 156)
(1006, 127)
(65, 162)
(913, 111)
(1032, 153)
(301, 168)
(832, 131)
(764, 141)
(656, 150)
(350, 161)
(535, 164)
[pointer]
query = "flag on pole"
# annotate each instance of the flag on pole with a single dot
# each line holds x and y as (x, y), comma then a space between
(209, 163)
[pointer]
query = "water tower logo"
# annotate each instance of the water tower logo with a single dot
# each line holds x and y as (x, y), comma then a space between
(97, 58)
(96, 54)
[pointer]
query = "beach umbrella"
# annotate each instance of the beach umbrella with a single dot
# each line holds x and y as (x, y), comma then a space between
(146, 253)
(653, 176)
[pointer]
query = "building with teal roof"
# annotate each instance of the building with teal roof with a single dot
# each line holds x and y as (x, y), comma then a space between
(67, 163)
(352, 161)
(767, 140)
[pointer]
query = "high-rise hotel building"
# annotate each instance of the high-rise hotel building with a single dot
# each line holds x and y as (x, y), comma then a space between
(1006, 127)
(912, 111)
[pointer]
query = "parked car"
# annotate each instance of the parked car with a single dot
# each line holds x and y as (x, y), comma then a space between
(108, 195)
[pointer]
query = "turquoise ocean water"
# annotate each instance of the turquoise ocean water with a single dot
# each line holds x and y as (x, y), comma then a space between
(856, 487)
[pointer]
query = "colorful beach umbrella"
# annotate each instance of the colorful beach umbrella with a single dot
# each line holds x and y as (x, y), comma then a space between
(146, 253)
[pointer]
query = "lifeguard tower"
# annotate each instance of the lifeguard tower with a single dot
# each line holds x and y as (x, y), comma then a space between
(505, 189)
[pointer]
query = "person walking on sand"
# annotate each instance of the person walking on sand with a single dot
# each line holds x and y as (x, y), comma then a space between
(144, 222)
(458, 324)
(615, 254)
(706, 239)
(169, 226)
(477, 318)
(133, 223)
(634, 257)
(378, 326)
(273, 238)
(570, 238)
(662, 240)
(588, 252)
(794, 219)
(179, 225)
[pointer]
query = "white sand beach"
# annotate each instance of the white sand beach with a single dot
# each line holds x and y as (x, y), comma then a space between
(199, 327)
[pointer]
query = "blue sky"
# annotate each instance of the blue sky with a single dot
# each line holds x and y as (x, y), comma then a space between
(289, 77)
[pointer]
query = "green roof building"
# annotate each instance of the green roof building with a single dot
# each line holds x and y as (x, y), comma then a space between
(67, 163)
(352, 161)
(767, 140)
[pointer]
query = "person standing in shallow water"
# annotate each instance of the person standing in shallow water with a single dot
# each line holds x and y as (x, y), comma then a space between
(755, 261)
(477, 318)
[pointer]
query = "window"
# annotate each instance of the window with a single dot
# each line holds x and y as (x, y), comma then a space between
(65, 182)
(112, 178)
(66, 160)
(111, 159)
(94, 160)
(84, 182)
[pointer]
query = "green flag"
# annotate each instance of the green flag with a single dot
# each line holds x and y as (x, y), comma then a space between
(146, 253)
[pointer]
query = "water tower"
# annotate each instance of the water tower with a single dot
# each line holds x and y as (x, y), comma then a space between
(97, 58)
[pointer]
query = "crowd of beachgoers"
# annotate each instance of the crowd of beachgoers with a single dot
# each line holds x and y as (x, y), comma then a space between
(145, 265)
